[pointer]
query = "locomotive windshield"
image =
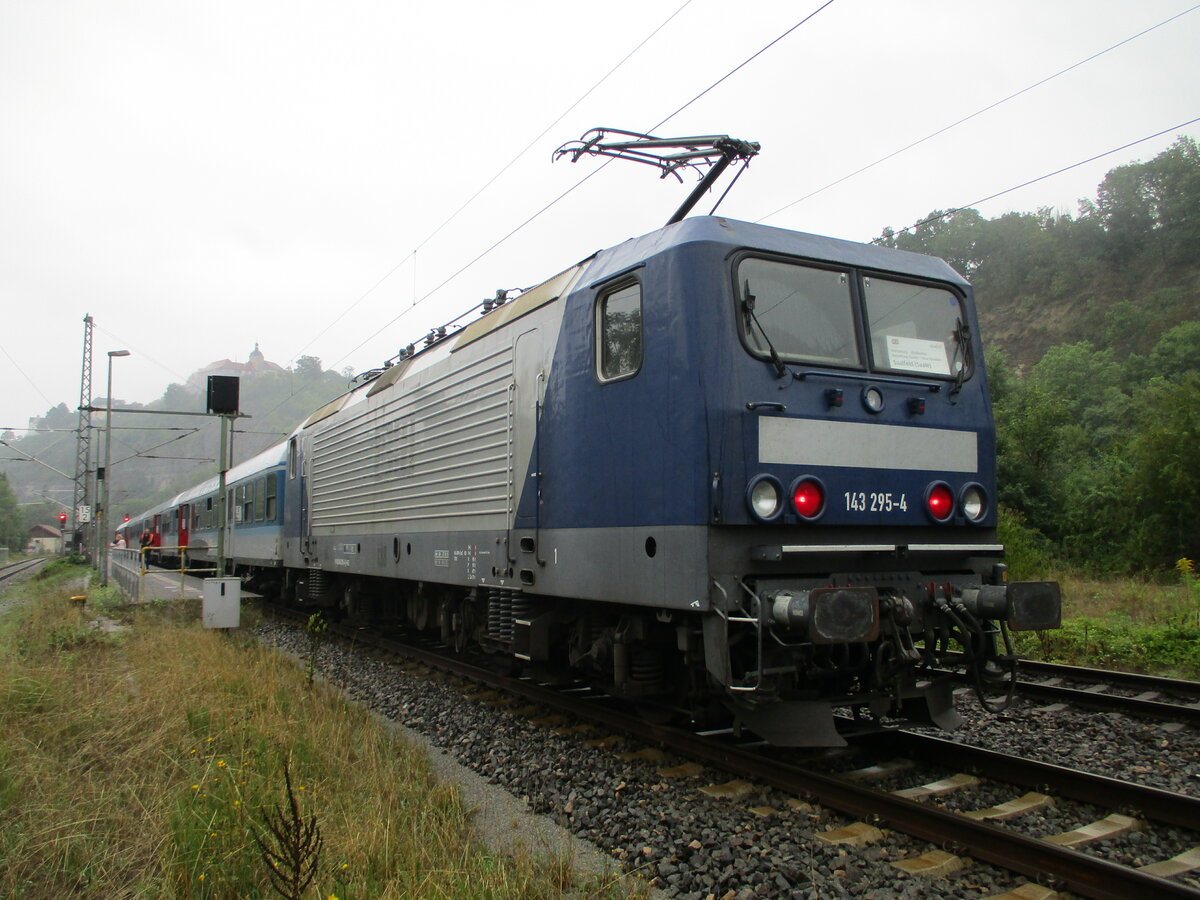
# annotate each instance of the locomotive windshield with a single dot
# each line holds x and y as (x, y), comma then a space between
(800, 313)
(914, 328)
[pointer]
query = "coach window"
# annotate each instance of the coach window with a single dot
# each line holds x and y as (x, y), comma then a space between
(247, 503)
(916, 329)
(619, 332)
(292, 458)
(272, 487)
(801, 313)
(260, 498)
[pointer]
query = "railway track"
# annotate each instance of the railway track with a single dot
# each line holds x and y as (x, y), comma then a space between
(1105, 690)
(1097, 689)
(10, 572)
(977, 835)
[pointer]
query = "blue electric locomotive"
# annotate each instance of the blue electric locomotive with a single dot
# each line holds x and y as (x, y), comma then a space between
(717, 462)
(718, 465)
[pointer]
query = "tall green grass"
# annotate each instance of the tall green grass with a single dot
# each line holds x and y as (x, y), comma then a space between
(141, 764)
(1134, 625)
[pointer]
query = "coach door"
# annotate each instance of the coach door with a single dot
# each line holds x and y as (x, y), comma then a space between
(185, 512)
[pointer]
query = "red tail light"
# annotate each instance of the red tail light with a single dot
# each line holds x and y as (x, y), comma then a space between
(940, 501)
(808, 498)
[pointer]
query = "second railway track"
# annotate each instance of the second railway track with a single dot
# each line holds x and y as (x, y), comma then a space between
(1156, 696)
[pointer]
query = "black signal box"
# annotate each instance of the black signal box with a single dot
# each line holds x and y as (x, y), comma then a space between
(223, 394)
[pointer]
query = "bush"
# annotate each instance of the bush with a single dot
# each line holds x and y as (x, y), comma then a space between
(1026, 550)
(1172, 649)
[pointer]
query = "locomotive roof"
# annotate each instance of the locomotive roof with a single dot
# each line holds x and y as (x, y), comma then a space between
(604, 264)
(737, 234)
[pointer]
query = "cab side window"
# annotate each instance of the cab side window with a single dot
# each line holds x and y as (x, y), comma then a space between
(619, 332)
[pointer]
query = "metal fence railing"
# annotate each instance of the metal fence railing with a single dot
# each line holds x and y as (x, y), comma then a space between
(128, 568)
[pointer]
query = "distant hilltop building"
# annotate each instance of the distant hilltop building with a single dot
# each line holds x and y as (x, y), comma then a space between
(256, 364)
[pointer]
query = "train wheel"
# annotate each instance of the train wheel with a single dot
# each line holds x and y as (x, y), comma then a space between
(455, 629)
(421, 609)
(351, 603)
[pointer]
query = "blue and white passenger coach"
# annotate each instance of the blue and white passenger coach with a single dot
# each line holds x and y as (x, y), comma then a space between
(718, 464)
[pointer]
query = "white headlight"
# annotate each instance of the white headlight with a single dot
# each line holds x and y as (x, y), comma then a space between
(974, 504)
(764, 498)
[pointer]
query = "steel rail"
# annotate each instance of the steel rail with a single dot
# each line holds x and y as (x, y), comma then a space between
(1073, 870)
(22, 565)
(1153, 803)
(1158, 709)
(1188, 713)
(1136, 680)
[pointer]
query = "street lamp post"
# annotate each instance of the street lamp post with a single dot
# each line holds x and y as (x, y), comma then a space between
(102, 526)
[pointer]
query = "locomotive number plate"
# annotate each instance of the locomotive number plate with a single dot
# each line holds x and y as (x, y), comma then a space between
(873, 501)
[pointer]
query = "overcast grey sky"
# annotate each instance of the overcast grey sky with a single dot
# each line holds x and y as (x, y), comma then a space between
(202, 176)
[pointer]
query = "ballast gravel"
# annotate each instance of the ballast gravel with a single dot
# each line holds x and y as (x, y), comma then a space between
(686, 844)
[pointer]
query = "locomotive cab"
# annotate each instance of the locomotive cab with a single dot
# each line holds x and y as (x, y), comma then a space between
(856, 540)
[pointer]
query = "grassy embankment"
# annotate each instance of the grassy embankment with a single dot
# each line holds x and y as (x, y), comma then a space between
(143, 764)
(1126, 624)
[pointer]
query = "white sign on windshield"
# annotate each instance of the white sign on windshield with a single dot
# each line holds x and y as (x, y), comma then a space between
(916, 355)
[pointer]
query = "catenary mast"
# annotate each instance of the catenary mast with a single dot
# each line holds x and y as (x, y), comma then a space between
(84, 438)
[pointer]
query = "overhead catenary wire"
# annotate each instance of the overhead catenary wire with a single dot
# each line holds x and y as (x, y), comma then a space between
(1017, 187)
(742, 65)
(491, 181)
(581, 181)
(480, 256)
(25, 375)
(146, 453)
(977, 113)
(141, 353)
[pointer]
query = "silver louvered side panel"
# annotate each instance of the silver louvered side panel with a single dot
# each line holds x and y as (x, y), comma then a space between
(434, 450)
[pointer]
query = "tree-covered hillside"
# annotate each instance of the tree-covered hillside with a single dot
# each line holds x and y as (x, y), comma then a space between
(155, 456)
(1120, 274)
(1093, 332)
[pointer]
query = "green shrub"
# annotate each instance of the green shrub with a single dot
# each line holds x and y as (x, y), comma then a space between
(1117, 643)
(1026, 550)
